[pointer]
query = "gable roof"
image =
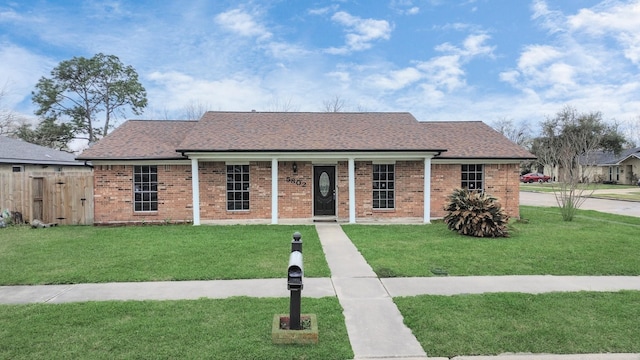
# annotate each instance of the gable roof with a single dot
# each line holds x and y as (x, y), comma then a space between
(609, 158)
(15, 151)
(302, 131)
(473, 140)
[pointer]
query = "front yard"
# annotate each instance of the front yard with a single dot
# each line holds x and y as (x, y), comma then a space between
(85, 254)
(239, 328)
(593, 244)
(234, 328)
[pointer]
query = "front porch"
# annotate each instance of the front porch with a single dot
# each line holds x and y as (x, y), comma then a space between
(307, 187)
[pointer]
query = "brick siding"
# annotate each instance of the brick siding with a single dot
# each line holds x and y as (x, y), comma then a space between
(113, 195)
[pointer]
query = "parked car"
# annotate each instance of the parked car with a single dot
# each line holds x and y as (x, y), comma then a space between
(533, 177)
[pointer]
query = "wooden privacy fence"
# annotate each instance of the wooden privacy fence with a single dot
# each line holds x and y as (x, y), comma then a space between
(63, 198)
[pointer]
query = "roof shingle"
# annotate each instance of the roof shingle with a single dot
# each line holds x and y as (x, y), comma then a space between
(298, 131)
(473, 139)
(141, 139)
(16, 151)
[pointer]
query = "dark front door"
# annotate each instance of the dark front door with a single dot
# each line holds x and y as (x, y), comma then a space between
(324, 190)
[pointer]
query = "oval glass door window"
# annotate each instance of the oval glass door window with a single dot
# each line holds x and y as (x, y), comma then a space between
(324, 183)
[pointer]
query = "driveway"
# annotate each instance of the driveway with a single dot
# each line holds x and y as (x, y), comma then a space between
(620, 207)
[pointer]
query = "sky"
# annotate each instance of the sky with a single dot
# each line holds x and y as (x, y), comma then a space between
(487, 60)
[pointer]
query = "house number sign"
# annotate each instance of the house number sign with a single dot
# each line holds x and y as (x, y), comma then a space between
(297, 182)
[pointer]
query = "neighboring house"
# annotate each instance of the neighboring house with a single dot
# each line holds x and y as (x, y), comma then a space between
(289, 166)
(606, 167)
(44, 184)
(623, 168)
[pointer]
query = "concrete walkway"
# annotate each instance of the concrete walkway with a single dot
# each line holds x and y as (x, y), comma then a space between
(374, 324)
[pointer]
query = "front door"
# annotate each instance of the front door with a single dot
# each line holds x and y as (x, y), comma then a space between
(324, 190)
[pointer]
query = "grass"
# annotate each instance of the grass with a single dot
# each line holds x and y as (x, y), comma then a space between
(549, 187)
(631, 196)
(234, 328)
(84, 254)
(558, 323)
(593, 244)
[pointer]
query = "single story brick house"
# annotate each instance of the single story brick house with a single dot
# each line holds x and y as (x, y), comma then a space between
(276, 167)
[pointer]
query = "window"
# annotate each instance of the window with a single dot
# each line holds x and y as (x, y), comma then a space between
(383, 186)
(472, 177)
(17, 169)
(145, 186)
(237, 187)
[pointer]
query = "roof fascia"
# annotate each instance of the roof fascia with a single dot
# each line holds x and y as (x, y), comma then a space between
(312, 156)
(140, 162)
(477, 161)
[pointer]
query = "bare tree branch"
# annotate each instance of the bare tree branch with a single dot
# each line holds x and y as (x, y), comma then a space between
(335, 104)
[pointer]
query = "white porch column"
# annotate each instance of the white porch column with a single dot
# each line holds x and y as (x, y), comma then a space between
(352, 191)
(427, 190)
(274, 191)
(195, 191)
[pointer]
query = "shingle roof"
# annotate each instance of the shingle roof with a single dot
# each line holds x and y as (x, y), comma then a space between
(609, 158)
(297, 131)
(141, 139)
(14, 151)
(473, 139)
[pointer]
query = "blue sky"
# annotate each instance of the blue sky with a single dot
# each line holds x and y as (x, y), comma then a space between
(440, 60)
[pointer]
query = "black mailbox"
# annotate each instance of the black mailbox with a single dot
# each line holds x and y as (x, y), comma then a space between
(295, 271)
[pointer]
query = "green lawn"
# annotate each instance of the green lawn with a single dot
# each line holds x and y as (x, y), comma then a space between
(549, 187)
(593, 244)
(491, 324)
(631, 196)
(234, 328)
(84, 254)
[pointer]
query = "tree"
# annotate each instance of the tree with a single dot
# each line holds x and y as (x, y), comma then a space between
(48, 133)
(335, 104)
(281, 105)
(194, 110)
(81, 89)
(570, 142)
(9, 121)
(520, 134)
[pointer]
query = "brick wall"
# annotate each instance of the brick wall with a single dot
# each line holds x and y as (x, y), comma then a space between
(113, 197)
(500, 180)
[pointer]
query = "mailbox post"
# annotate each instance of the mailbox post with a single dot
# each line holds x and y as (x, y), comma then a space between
(294, 282)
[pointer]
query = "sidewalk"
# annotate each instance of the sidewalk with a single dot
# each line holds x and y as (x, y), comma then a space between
(374, 324)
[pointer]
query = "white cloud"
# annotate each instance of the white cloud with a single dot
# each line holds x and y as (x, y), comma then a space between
(395, 80)
(242, 23)
(537, 55)
(621, 21)
(413, 11)
(360, 33)
(324, 10)
(511, 76)
(552, 20)
(174, 90)
(19, 74)
(444, 72)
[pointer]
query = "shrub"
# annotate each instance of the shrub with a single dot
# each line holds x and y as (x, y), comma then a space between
(476, 214)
